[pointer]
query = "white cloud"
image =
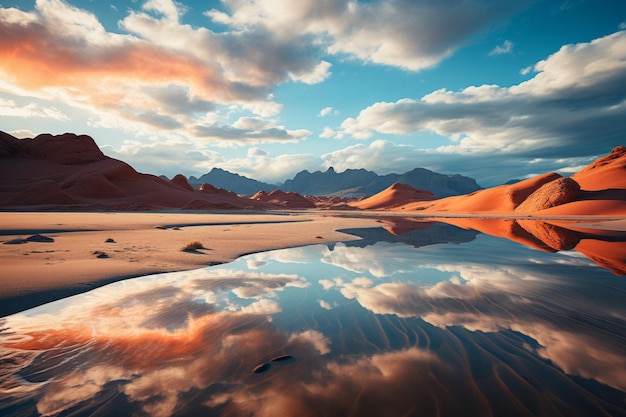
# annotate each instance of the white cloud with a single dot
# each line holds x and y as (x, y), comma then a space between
(166, 76)
(328, 111)
(379, 156)
(316, 76)
(505, 48)
(409, 35)
(578, 94)
(167, 8)
(622, 25)
(22, 134)
(156, 157)
(526, 70)
(9, 108)
(329, 133)
(263, 166)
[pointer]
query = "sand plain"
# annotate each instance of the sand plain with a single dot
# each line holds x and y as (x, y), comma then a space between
(143, 243)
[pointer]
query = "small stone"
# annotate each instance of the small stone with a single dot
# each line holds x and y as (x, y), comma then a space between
(39, 238)
(18, 241)
(109, 240)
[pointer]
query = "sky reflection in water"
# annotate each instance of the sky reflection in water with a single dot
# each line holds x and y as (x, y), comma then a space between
(394, 324)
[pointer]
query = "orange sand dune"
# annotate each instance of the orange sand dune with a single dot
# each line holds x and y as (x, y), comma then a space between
(599, 190)
(395, 195)
(607, 172)
(501, 199)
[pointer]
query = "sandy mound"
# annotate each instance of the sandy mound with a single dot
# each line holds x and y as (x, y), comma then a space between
(604, 173)
(394, 196)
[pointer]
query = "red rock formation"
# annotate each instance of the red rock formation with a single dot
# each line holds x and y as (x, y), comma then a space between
(44, 192)
(554, 193)
(92, 184)
(66, 149)
(67, 170)
(211, 189)
(286, 199)
(181, 181)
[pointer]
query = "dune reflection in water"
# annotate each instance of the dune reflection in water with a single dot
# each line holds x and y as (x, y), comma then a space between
(398, 323)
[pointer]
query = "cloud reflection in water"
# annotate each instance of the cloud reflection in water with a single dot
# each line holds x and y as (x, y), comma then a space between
(481, 328)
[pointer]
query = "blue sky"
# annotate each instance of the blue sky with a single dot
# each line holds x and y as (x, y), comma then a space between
(492, 89)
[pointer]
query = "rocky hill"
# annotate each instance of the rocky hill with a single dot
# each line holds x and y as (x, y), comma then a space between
(70, 172)
(230, 181)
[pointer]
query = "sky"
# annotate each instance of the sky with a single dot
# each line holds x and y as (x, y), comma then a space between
(491, 89)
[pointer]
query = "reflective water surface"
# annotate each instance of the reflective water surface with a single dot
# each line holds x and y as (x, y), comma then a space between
(414, 319)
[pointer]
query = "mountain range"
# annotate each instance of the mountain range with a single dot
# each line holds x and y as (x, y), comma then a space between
(230, 181)
(70, 172)
(349, 183)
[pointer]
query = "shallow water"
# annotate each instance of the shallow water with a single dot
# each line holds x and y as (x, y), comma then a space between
(428, 320)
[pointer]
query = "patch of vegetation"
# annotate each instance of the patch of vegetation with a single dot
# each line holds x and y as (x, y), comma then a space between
(193, 246)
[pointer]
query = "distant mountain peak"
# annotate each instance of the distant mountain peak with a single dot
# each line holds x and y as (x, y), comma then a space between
(230, 181)
(363, 183)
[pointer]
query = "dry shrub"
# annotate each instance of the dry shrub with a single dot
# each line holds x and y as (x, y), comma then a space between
(193, 246)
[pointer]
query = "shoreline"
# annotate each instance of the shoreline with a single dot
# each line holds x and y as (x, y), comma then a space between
(82, 257)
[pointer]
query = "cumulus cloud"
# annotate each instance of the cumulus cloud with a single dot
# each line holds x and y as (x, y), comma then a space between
(181, 74)
(406, 34)
(576, 95)
(571, 108)
(156, 157)
(264, 166)
(9, 108)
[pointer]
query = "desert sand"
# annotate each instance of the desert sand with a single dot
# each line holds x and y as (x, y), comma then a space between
(80, 258)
